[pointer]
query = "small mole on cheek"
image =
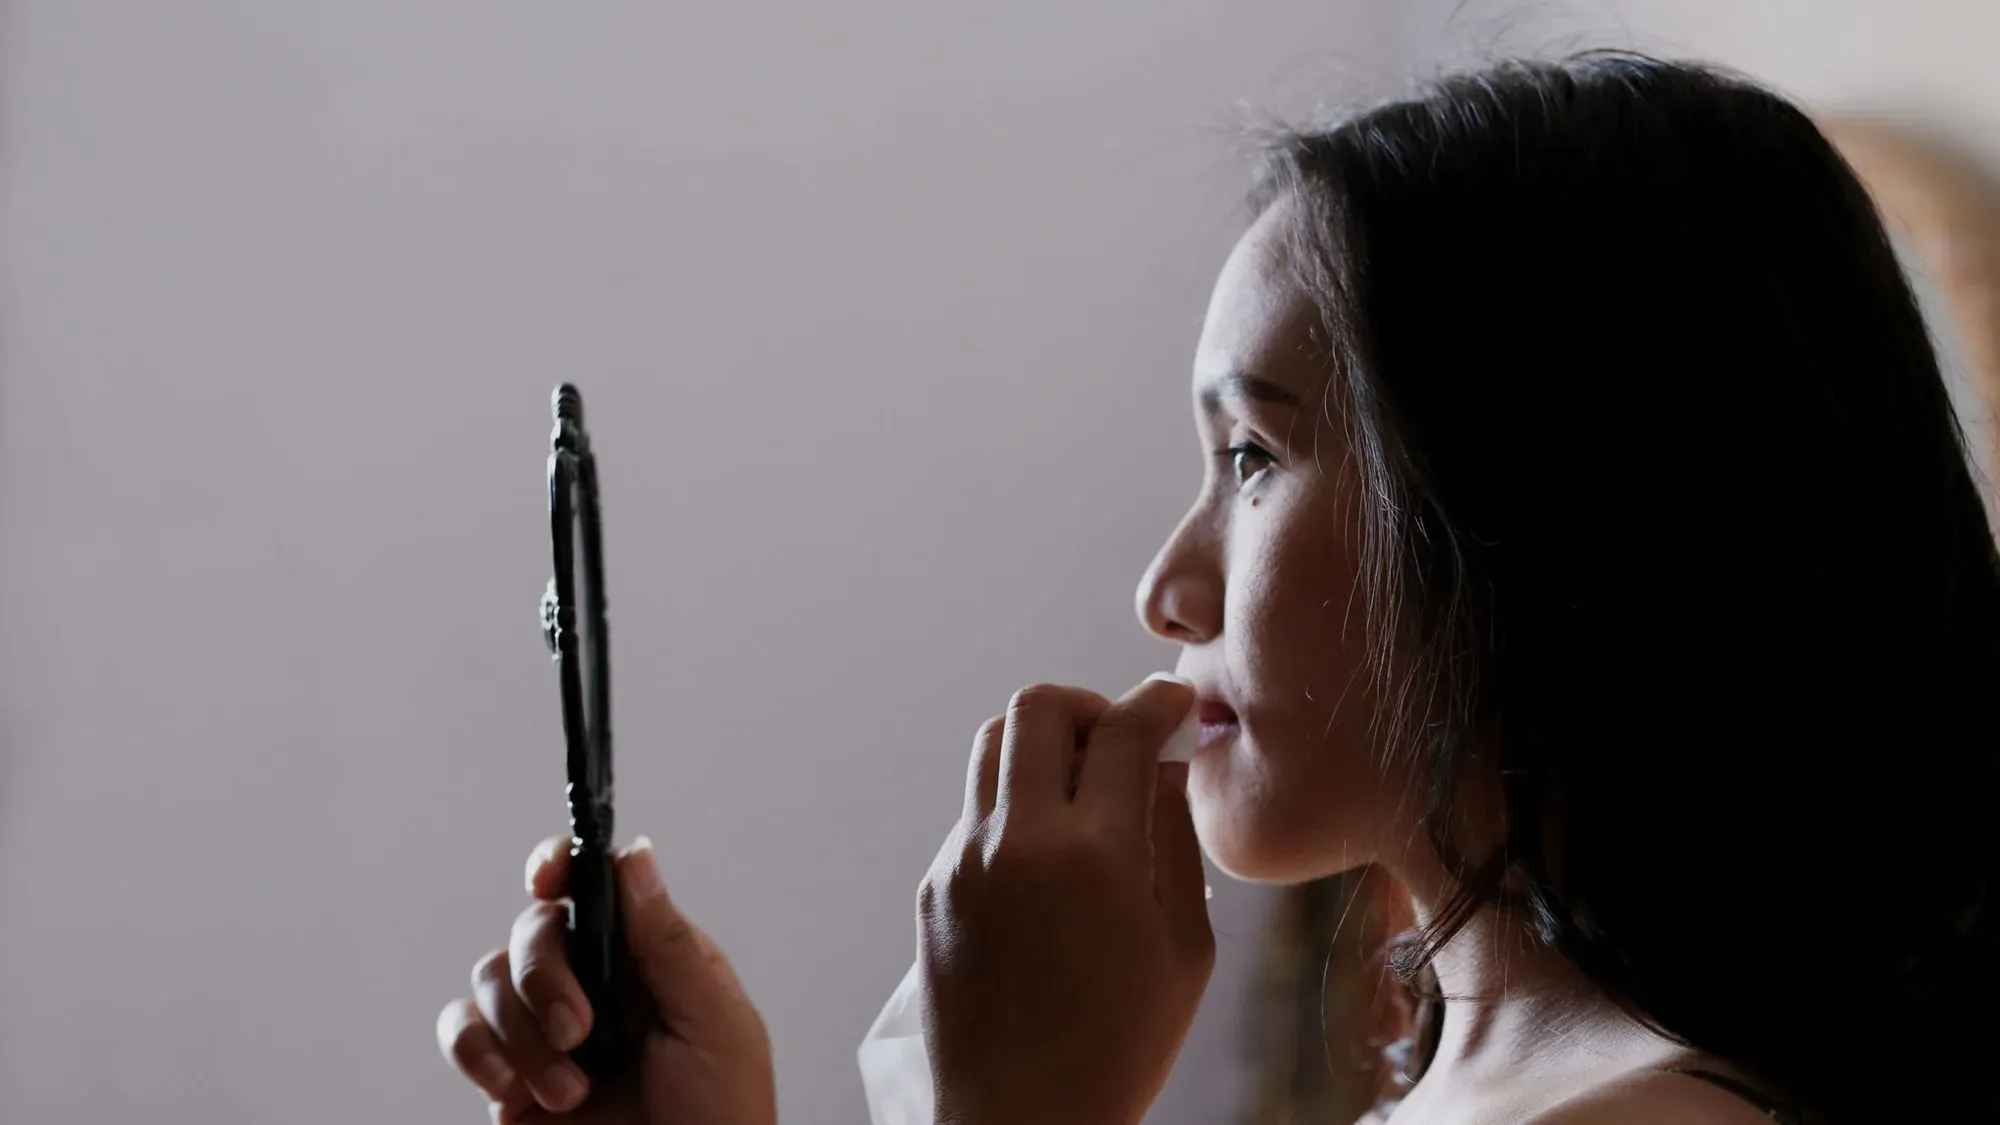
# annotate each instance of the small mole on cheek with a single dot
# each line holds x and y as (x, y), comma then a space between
(1256, 500)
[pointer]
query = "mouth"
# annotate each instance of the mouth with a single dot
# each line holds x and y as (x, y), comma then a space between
(1218, 721)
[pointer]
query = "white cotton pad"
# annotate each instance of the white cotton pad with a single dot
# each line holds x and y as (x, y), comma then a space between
(1186, 739)
(1181, 745)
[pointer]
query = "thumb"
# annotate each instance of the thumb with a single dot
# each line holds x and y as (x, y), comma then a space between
(688, 978)
(1178, 879)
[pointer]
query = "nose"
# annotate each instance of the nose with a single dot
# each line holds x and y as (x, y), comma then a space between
(1180, 595)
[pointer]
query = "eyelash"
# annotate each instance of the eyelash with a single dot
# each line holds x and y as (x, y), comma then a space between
(1233, 457)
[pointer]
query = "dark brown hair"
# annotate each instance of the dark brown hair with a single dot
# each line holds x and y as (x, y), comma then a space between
(1665, 511)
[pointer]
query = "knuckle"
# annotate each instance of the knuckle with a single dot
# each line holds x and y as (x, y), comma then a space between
(1036, 698)
(534, 926)
(991, 730)
(1119, 725)
(956, 875)
(1003, 851)
(977, 839)
(490, 969)
(543, 855)
(983, 850)
(538, 976)
(459, 1035)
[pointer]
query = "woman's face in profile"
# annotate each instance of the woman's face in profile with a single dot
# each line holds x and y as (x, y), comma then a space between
(1258, 586)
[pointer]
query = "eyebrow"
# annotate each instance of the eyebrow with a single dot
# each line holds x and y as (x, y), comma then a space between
(1244, 385)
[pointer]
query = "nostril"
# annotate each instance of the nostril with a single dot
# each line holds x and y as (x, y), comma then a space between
(1180, 601)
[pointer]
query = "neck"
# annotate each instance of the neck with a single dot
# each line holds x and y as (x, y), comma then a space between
(1516, 1010)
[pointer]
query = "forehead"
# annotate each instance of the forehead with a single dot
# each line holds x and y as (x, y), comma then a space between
(1258, 318)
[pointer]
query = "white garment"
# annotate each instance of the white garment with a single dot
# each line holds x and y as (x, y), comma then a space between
(895, 1067)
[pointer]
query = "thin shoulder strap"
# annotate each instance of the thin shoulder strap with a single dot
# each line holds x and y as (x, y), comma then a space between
(1778, 1111)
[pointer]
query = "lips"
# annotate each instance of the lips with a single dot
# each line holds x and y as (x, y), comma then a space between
(1216, 716)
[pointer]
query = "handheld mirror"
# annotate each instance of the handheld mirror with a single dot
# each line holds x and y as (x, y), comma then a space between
(574, 626)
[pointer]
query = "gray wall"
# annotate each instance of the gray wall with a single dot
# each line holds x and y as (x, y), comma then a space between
(884, 311)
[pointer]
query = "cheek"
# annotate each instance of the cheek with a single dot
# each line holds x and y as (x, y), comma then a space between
(1294, 631)
(1299, 794)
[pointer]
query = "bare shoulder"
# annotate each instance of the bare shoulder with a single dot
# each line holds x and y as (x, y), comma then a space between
(1655, 1098)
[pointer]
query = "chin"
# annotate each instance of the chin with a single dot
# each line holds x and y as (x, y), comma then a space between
(1259, 829)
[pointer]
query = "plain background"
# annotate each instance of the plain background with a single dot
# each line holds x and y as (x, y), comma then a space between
(883, 312)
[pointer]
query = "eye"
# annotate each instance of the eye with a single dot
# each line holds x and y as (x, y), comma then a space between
(1249, 461)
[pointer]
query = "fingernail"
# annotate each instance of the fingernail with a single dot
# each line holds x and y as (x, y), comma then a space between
(497, 1073)
(564, 1028)
(538, 859)
(1170, 678)
(561, 1087)
(642, 881)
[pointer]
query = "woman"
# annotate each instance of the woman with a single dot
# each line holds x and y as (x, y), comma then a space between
(1588, 542)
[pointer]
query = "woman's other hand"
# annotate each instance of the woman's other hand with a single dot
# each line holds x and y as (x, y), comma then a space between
(1065, 933)
(705, 1059)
